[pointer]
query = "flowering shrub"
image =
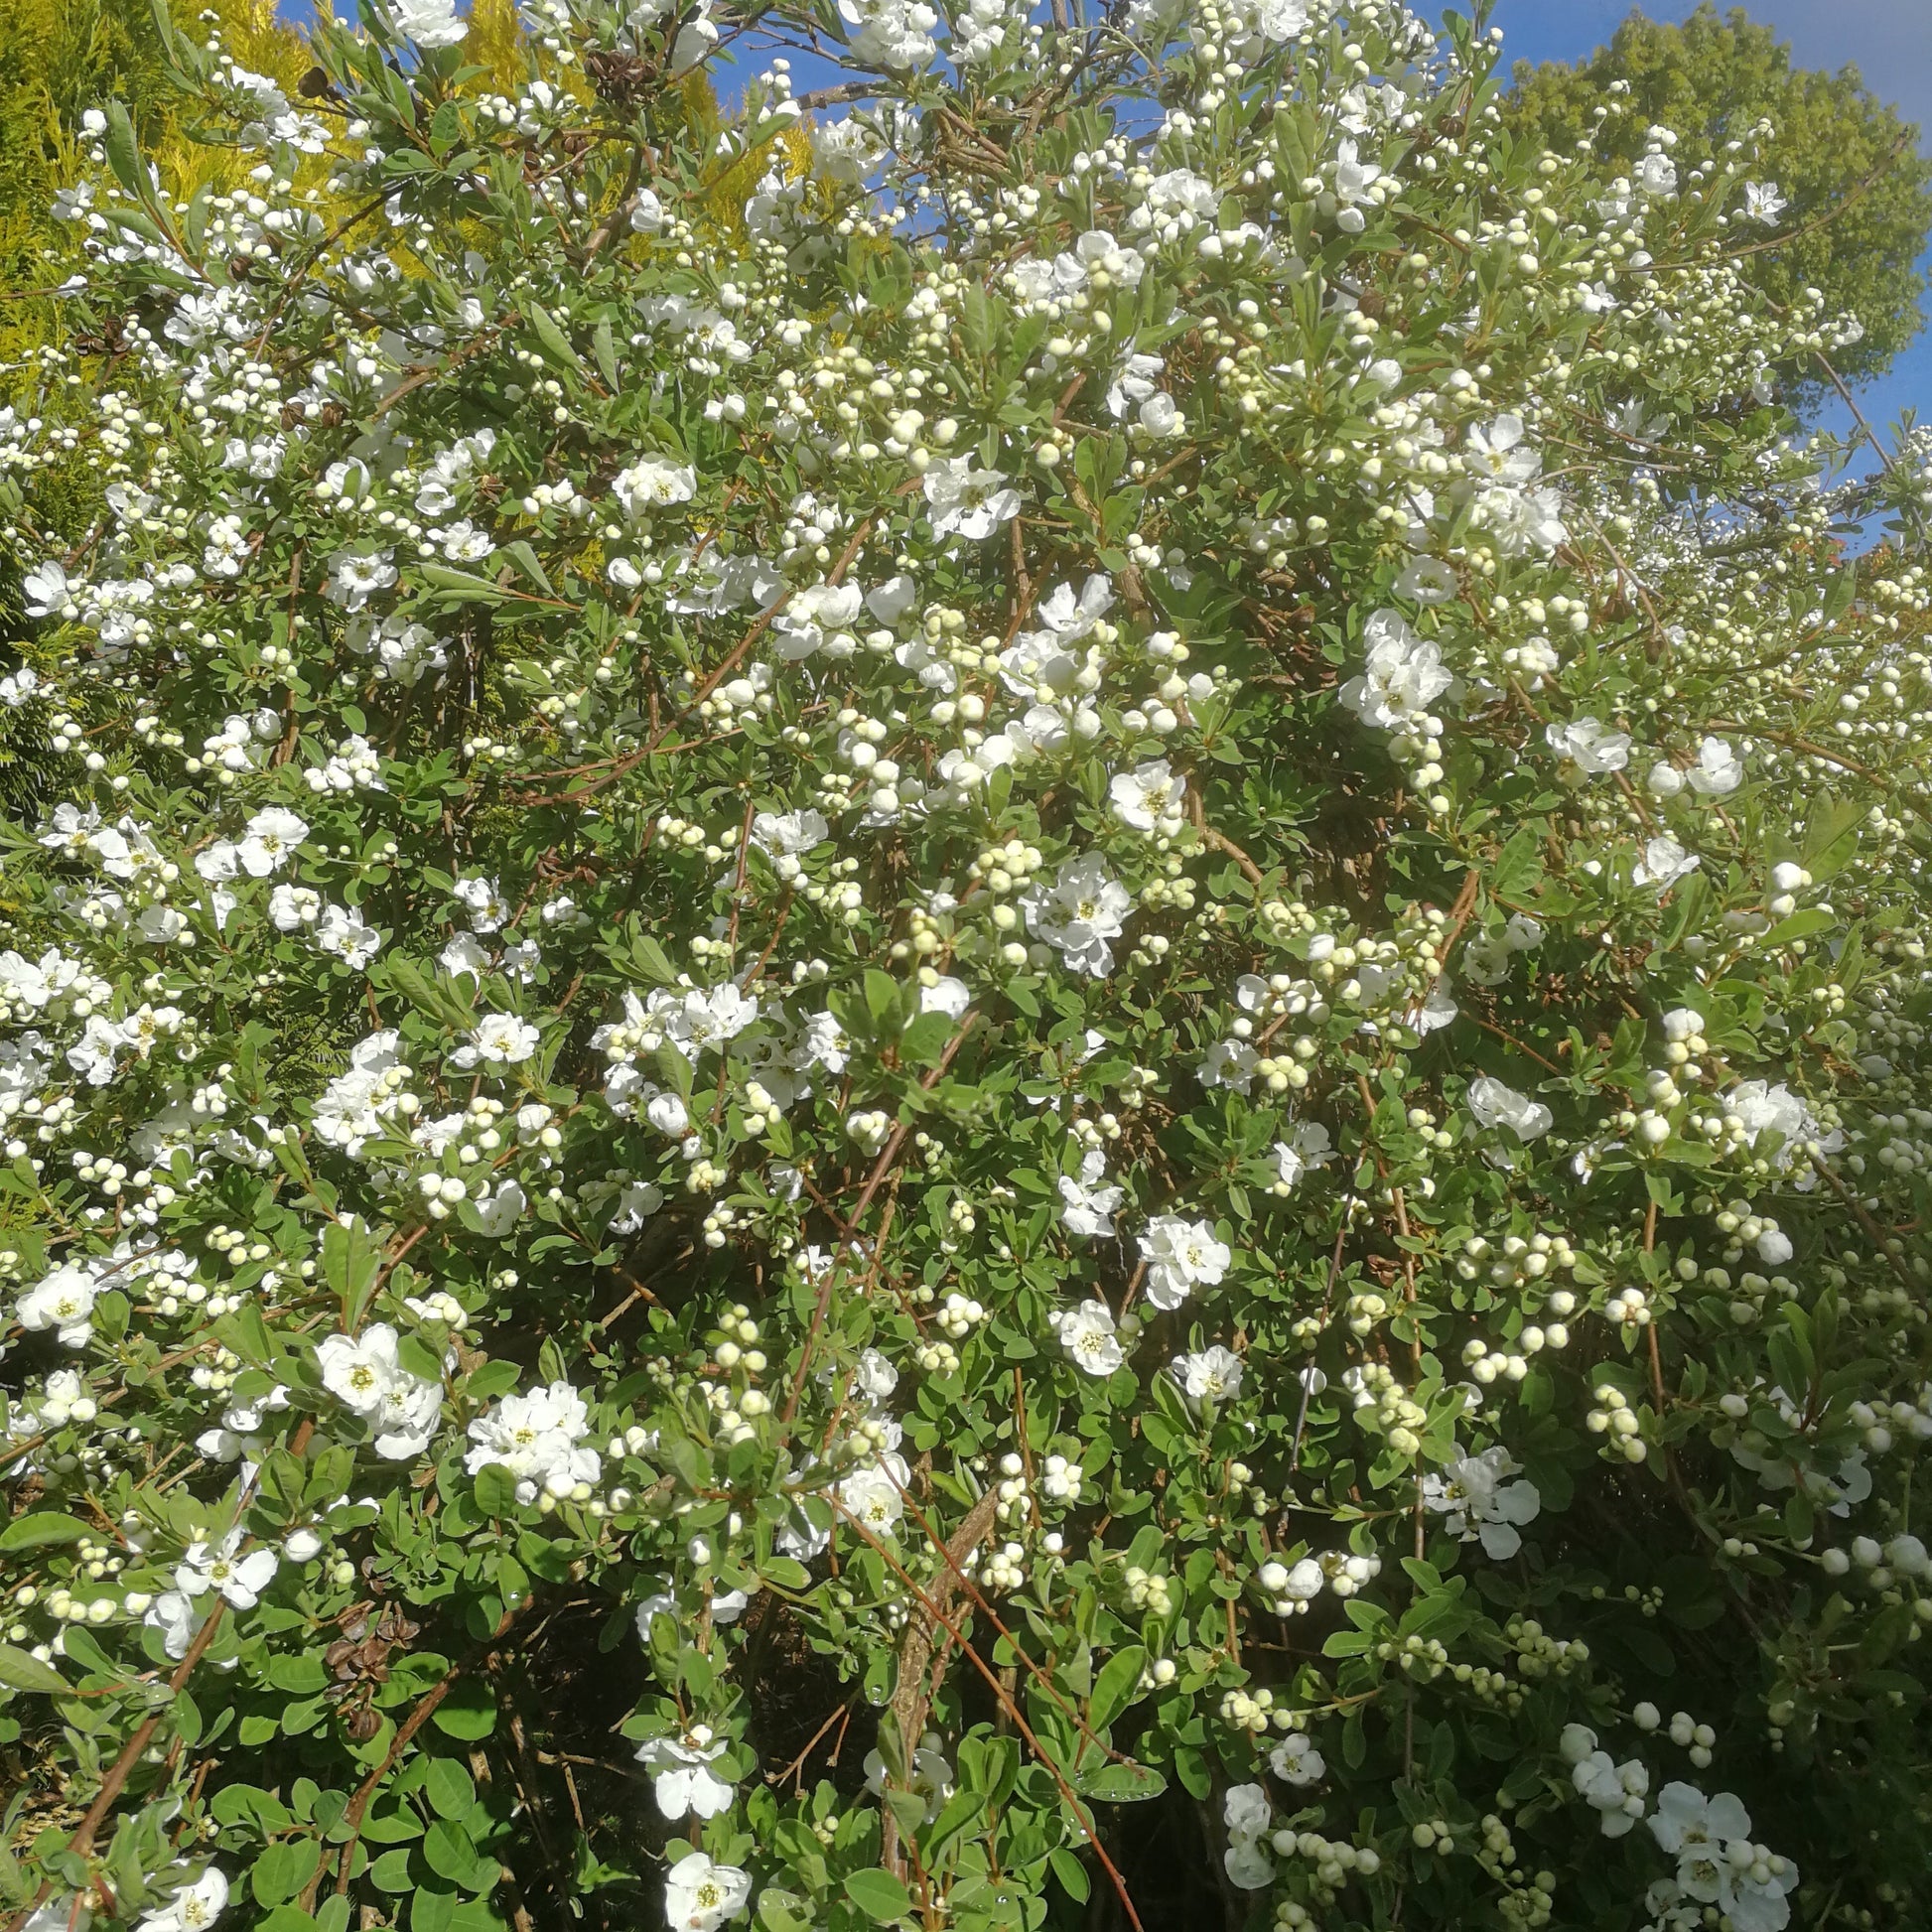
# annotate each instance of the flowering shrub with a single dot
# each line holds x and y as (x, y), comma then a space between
(1030, 1033)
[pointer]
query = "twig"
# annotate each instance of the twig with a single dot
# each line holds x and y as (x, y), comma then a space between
(1088, 1824)
(425, 1709)
(887, 1155)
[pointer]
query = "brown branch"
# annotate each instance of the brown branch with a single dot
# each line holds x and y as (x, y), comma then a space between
(910, 1700)
(1087, 1820)
(115, 1781)
(425, 1709)
(887, 1158)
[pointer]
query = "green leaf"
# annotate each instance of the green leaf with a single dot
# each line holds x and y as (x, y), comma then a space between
(604, 348)
(1073, 1874)
(22, 1672)
(882, 1898)
(287, 1918)
(493, 1379)
(495, 1491)
(1116, 1687)
(41, 1528)
(468, 1713)
(431, 1911)
(284, 1869)
(1120, 1784)
(463, 582)
(882, 998)
(351, 1261)
(452, 1790)
(925, 1039)
(124, 153)
(390, 1871)
(556, 345)
(450, 1855)
(526, 561)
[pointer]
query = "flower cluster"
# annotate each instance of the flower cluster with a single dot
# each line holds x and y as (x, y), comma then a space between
(1056, 923)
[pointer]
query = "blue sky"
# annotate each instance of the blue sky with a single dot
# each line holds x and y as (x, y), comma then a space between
(1889, 41)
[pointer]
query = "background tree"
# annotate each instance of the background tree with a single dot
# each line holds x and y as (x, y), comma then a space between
(1859, 193)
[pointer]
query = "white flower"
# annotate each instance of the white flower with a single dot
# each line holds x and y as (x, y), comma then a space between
(1078, 913)
(409, 1417)
(1688, 1825)
(1354, 176)
(359, 1371)
(873, 1498)
(1246, 1813)
(819, 618)
(177, 1616)
(1087, 1209)
(429, 23)
(1496, 1105)
(1656, 173)
(655, 1603)
(966, 502)
(194, 1904)
(895, 35)
(1663, 863)
(63, 1302)
(240, 1580)
(1520, 521)
(1719, 769)
(1616, 1790)
(366, 1373)
(1403, 677)
(1294, 1760)
(708, 1018)
(269, 840)
(653, 483)
(1071, 615)
(946, 994)
(681, 1776)
(1589, 745)
(1088, 1334)
(45, 590)
(1212, 1375)
(293, 906)
(536, 1437)
(931, 1779)
(1498, 451)
(354, 1105)
(1247, 1865)
(1229, 1064)
(1716, 1862)
(341, 932)
(638, 1201)
(64, 1913)
(1760, 1903)
(353, 579)
(1148, 797)
(1307, 1146)
(1477, 1502)
(487, 907)
(789, 833)
(700, 1896)
(1245, 1810)
(1180, 1256)
(1426, 580)
(498, 1040)
(1760, 1108)
(1763, 203)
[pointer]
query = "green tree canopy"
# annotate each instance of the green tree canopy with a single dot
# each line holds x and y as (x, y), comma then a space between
(1858, 194)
